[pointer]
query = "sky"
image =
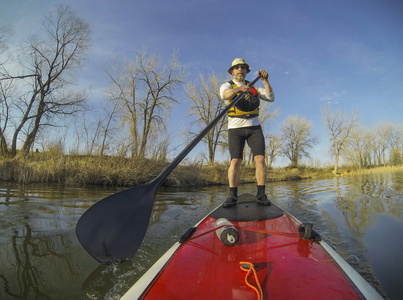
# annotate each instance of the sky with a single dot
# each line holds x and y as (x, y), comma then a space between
(347, 53)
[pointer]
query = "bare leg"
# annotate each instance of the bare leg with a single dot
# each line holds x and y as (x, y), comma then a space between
(233, 179)
(261, 173)
(261, 170)
(234, 172)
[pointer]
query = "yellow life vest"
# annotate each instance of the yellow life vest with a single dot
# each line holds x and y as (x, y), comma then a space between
(247, 107)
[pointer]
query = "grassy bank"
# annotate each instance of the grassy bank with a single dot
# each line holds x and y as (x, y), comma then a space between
(91, 170)
(116, 171)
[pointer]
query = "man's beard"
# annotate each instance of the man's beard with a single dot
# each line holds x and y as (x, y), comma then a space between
(239, 77)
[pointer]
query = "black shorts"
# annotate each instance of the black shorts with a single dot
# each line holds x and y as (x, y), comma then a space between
(253, 135)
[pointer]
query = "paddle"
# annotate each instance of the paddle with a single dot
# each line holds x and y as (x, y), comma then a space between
(114, 227)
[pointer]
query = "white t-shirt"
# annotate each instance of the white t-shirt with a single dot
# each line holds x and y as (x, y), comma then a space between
(235, 122)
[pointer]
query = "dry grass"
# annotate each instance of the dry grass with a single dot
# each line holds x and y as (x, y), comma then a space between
(53, 167)
(96, 170)
(351, 171)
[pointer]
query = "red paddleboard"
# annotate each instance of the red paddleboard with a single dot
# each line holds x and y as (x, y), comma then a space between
(252, 252)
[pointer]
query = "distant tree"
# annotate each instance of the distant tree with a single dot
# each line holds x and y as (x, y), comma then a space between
(144, 88)
(5, 33)
(273, 148)
(206, 106)
(98, 128)
(340, 124)
(396, 158)
(395, 142)
(375, 146)
(6, 88)
(359, 149)
(297, 138)
(6, 91)
(382, 130)
(48, 63)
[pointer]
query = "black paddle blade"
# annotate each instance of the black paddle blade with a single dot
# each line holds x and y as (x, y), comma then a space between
(113, 228)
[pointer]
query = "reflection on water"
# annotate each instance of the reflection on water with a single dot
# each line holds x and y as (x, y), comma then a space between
(348, 213)
(40, 257)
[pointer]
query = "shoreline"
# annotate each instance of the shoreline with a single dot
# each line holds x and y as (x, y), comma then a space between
(124, 172)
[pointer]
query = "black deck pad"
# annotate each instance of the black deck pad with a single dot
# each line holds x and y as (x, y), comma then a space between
(247, 209)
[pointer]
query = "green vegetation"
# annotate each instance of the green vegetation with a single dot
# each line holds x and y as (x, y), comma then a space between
(54, 167)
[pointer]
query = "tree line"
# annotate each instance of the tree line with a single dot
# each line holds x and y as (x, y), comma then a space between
(38, 94)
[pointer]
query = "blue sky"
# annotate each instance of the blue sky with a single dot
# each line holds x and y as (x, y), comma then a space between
(345, 52)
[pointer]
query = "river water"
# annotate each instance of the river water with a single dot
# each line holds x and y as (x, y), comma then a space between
(40, 257)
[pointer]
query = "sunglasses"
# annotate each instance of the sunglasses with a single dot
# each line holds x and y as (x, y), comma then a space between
(240, 66)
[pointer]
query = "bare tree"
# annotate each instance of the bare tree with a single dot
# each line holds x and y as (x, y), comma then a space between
(273, 148)
(108, 127)
(394, 141)
(359, 149)
(6, 89)
(383, 132)
(48, 62)
(371, 146)
(297, 138)
(206, 106)
(340, 124)
(144, 88)
(395, 137)
(5, 32)
(99, 127)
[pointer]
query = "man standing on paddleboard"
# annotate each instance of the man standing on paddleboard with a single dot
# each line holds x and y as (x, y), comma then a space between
(244, 125)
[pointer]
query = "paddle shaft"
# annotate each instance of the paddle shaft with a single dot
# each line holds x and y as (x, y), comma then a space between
(160, 178)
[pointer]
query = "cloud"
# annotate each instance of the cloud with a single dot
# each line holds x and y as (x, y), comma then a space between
(332, 98)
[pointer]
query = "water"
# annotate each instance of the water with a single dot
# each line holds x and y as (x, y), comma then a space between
(40, 257)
